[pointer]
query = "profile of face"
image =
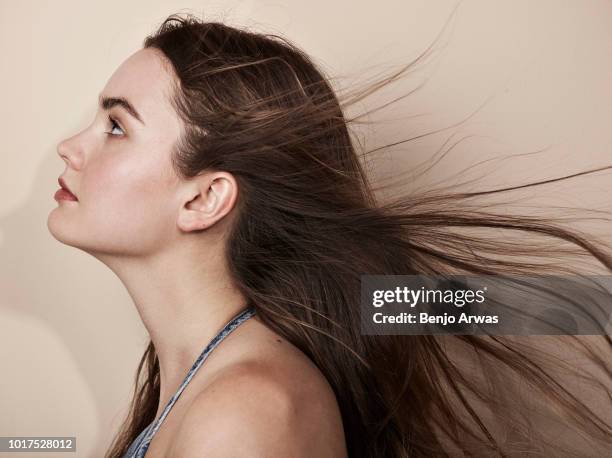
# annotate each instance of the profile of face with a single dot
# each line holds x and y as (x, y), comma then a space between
(119, 167)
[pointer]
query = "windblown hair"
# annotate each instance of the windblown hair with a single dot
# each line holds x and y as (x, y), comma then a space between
(309, 223)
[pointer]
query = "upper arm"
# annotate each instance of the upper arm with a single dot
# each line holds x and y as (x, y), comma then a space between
(245, 413)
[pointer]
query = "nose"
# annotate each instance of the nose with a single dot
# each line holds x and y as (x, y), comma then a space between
(70, 152)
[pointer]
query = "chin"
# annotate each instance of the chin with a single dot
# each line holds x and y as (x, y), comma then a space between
(59, 231)
(62, 230)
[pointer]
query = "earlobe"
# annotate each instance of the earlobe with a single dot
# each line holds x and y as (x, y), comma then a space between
(190, 222)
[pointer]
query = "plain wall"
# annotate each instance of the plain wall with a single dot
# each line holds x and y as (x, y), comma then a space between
(532, 75)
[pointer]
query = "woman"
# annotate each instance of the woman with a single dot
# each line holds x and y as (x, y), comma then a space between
(219, 182)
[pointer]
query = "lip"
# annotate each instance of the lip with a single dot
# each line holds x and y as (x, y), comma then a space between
(65, 192)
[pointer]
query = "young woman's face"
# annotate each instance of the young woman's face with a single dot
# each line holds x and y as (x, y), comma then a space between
(121, 173)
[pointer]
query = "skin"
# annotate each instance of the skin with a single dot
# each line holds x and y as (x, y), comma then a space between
(163, 237)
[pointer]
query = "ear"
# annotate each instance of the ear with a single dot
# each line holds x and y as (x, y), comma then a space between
(208, 198)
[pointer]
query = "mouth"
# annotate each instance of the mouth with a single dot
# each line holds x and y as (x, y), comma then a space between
(64, 193)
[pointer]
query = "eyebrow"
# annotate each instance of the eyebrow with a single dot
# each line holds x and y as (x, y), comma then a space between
(107, 103)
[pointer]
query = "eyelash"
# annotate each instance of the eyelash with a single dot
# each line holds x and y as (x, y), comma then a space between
(114, 125)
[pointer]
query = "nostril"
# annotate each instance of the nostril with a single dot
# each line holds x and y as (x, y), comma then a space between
(62, 149)
(70, 152)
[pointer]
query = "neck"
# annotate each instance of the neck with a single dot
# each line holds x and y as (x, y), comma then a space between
(183, 302)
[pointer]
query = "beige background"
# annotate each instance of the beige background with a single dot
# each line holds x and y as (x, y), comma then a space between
(70, 338)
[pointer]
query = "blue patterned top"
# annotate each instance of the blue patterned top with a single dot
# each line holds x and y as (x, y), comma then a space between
(138, 448)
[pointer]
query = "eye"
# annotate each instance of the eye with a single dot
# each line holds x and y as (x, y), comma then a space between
(114, 126)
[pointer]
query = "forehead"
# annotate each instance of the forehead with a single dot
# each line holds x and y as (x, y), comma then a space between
(145, 80)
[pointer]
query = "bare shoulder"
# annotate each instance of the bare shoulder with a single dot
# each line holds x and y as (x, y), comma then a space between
(263, 408)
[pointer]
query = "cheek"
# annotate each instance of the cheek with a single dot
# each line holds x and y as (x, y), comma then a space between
(114, 179)
(127, 199)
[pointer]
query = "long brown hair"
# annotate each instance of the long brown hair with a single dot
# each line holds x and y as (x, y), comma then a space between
(309, 224)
